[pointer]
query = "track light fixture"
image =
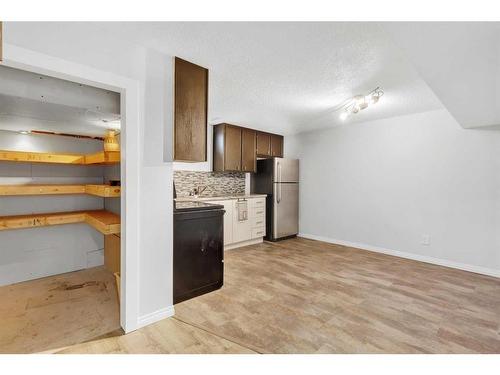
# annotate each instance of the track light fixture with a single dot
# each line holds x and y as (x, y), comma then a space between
(360, 102)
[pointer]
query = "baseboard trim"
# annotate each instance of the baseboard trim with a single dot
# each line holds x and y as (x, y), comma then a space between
(402, 254)
(155, 316)
(243, 243)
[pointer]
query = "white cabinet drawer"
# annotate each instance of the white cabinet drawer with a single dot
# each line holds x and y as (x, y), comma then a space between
(259, 222)
(258, 212)
(258, 232)
(257, 202)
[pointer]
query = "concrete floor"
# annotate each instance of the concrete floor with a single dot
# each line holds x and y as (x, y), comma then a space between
(58, 311)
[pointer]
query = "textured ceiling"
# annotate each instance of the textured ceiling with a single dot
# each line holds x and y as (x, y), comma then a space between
(287, 77)
(282, 77)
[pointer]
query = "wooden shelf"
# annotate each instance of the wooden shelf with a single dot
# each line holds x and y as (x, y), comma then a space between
(104, 221)
(103, 157)
(105, 191)
(6, 190)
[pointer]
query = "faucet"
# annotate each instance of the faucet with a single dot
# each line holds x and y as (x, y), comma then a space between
(197, 191)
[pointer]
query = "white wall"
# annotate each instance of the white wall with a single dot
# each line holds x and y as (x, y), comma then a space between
(384, 184)
(32, 253)
(83, 43)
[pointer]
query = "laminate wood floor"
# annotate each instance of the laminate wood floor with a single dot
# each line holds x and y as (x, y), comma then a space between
(58, 311)
(169, 336)
(305, 296)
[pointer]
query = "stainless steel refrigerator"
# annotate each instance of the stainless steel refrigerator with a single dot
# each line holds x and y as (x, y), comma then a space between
(279, 179)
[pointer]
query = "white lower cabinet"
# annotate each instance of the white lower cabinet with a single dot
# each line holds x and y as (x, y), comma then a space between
(258, 232)
(228, 220)
(243, 232)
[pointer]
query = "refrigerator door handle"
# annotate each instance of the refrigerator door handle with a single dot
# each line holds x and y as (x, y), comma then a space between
(278, 192)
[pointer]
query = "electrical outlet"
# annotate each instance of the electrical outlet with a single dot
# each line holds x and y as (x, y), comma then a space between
(426, 240)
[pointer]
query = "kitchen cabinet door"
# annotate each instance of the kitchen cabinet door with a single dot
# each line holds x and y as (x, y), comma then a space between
(232, 147)
(242, 230)
(276, 145)
(248, 156)
(190, 111)
(263, 144)
(228, 220)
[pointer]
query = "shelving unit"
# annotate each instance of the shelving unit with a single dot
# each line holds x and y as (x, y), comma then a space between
(104, 191)
(101, 220)
(102, 157)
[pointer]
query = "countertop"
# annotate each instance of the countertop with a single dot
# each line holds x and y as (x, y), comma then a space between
(220, 198)
(183, 206)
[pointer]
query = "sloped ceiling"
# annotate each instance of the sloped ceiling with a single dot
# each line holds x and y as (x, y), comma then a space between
(460, 62)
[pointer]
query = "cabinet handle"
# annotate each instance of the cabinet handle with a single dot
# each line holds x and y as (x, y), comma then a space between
(258, 222)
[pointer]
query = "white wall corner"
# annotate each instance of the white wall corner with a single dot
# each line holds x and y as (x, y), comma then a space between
(155, 316)
(402, 254)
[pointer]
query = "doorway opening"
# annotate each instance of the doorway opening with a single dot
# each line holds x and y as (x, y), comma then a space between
(60, 212)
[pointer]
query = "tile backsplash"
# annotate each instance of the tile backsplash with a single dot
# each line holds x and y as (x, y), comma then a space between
(217, 183)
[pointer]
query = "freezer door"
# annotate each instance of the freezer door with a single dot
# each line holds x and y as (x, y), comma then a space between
(285, 210)
(286, 170)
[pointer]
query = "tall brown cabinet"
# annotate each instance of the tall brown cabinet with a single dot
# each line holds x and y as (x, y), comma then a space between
(190, 111)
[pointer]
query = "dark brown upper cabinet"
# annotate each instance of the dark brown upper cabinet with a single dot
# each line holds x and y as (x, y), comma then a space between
(269, 145)
(227, 148)
(248, 146)
(263, 144)
(190, 111)
(236, 148)
(276, 145)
